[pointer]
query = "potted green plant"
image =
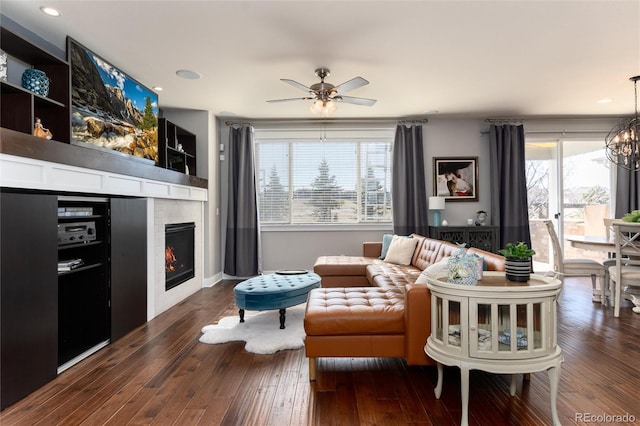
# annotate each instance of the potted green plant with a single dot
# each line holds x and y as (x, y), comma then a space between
(517, 261)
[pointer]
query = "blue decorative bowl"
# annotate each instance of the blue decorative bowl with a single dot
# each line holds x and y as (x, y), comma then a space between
(36, 81)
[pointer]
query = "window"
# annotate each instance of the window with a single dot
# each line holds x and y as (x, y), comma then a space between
(314, 176)
(568, 179)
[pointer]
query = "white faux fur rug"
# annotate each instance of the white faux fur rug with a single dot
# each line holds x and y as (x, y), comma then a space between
(261, 331)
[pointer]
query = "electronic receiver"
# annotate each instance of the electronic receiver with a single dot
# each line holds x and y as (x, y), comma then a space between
(76, 232)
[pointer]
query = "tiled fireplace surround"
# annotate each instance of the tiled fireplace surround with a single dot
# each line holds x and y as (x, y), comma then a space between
(166, 203)
(166, 212)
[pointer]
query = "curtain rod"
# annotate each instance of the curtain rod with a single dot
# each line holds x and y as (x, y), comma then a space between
(554, 132)
(238, 123)
(564, 132)
(503, 120)
(416, 121)
(326, 121)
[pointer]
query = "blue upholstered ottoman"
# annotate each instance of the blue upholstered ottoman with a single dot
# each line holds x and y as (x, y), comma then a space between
(274, 291)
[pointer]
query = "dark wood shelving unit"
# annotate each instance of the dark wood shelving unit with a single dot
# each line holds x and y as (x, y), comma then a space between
(51, 319)
(53, 109)
(177, 148)
(83, 292)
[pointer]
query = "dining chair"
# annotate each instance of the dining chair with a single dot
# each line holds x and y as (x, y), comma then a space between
(611, 261)
(575, 267)
(625, 275)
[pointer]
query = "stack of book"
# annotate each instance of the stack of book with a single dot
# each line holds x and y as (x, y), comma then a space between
(74, 211)
(68, 265)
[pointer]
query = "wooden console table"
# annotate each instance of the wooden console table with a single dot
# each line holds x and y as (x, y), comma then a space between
(497, 326)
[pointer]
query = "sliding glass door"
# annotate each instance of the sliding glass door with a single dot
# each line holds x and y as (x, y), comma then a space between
(568, 181)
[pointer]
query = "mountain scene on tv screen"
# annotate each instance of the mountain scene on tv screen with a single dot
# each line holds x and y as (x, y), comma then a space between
(111, 110)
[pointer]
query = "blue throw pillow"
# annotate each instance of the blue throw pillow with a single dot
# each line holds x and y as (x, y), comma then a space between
(386, 242)
(485, 267)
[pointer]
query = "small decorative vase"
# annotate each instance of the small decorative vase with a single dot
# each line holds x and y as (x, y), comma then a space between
(518, 270)
(462, 270)
(36, 81)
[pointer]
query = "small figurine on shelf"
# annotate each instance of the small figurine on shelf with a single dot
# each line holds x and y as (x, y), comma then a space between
(40, 131)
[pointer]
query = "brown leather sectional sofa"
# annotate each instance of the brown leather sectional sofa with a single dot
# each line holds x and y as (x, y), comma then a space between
(371, 308)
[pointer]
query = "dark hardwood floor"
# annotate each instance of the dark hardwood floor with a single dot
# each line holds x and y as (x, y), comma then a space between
(160, 374)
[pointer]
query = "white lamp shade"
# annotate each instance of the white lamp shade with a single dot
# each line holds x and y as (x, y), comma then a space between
(436, 203)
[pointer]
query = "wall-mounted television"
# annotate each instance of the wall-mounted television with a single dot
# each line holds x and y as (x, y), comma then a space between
(109, 109)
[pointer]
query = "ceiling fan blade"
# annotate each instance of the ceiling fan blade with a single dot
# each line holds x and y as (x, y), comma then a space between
(296, 84)
(289, 99)
(354, 83)
(357, 101)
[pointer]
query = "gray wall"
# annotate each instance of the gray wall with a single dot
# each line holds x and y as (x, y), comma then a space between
(451, 137)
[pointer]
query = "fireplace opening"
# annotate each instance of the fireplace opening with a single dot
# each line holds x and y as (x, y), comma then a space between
(179, 253)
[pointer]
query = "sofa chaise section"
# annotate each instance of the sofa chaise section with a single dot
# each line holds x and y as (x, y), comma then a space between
(371, 308)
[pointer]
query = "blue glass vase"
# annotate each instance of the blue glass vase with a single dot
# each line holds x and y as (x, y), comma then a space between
(36, 81)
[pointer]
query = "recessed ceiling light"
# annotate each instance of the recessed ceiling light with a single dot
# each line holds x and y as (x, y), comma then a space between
(188, 74)
(157, 88)
(605, 100)
(50, 11)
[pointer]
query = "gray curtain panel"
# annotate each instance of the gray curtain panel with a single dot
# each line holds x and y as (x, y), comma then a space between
(627, 192)
(242, 252)
(408, 189)
(509, 207)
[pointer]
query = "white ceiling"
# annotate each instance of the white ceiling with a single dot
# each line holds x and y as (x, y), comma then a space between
(518, 58)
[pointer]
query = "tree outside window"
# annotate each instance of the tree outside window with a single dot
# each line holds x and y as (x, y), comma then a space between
(325, 194)
(274, 199)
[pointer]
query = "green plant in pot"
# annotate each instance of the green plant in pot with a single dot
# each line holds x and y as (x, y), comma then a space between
(517, 261)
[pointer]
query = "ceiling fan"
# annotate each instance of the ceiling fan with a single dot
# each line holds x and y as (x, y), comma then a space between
(325, 95)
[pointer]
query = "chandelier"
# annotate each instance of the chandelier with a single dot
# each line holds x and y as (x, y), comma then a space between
(622, 145)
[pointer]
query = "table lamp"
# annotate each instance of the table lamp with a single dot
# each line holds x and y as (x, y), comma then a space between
(436, 204)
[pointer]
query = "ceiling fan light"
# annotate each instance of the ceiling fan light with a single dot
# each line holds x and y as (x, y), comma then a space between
(316, 107)
(323, 107)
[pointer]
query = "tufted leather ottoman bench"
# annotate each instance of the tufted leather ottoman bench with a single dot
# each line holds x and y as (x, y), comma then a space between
(354, 322)
(274, 291)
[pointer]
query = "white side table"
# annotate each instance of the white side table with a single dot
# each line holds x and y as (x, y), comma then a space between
(497, 326)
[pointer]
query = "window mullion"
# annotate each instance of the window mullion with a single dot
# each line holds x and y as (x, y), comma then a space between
(291, 182)
(359, 183)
